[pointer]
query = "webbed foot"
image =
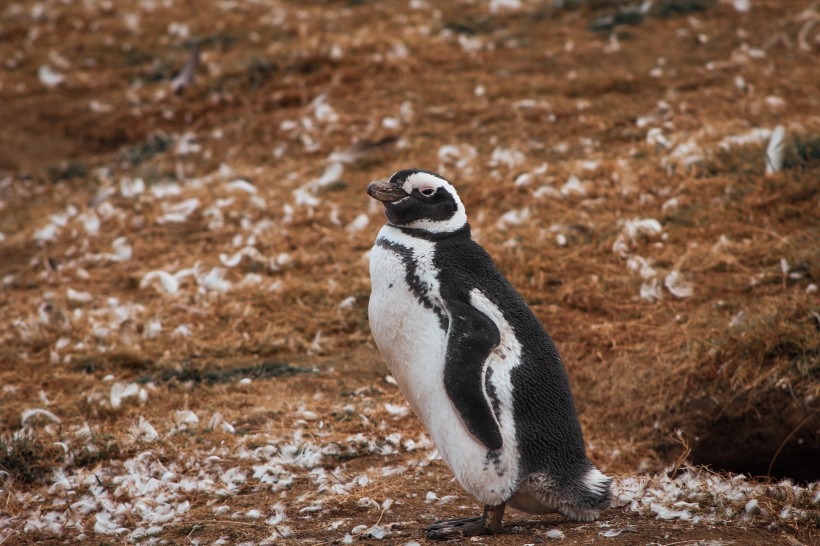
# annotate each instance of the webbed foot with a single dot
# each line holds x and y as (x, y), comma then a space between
(467, 527)
(487, 524)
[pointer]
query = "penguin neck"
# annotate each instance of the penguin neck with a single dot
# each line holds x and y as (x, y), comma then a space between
(462, 232)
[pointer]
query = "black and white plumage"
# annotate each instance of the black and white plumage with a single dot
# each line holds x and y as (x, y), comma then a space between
(474, 362)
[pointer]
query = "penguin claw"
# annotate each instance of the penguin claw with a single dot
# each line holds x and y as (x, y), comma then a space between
(442, 523)
(467, 527)
(487, 524)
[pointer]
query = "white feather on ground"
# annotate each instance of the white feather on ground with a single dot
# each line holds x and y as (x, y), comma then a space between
(775, 150)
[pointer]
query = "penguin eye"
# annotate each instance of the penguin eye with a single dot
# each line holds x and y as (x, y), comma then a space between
(427, 192)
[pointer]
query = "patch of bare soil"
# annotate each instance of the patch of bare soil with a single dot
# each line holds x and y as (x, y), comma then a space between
(184, 351)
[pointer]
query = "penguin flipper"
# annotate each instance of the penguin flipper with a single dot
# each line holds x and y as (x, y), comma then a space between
(472, 335)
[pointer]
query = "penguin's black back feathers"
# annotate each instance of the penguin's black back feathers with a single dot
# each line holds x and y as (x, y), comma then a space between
(548, 434)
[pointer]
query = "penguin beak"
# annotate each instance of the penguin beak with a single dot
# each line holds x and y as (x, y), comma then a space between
(385, 192)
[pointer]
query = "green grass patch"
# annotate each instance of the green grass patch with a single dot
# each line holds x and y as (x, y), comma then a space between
(210, 376)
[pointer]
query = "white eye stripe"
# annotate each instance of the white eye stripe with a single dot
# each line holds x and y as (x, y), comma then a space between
(421, 180)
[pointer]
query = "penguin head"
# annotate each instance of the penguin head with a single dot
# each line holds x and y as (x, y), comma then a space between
(420, 199)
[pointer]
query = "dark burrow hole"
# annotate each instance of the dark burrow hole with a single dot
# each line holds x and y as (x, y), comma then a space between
(762, 443)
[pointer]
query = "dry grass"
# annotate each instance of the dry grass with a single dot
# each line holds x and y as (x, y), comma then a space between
(639, 114)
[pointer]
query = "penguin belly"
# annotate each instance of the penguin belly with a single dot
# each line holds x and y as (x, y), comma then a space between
(413, 342)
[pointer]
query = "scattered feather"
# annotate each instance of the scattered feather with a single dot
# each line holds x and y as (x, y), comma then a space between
(187, 144)
(651, 290)
(504, 5)
(27, 415)
(642, 227)
(178, 212)
(359, 223)
(655, 137)
(167, 189)
(122, 250)
(186, 76)
(547, 191)
(236, 258)
(573, 186)
(676, 284)
(104, 524)
(91, 223)
(49, 77)
(556, 534)
(121, 391)
(347, 303)
(752, 507)
(774, 101)
(389, 122)
(214, 280)
(775, 150)
(144, 431)
(161, 280)
(77, 296)
(397, 410)
(513, 218)
(641, 266)
(151, 329)
(367, 502)
(753, 136)
(738, 320)
(332, 174)
(322, 111)
(670, 205)
(253, 514)
(662, 512)
(507, 157)
(241, 185)
(377, 531)
(610, 533)
(185, 419)
(131, 187)
(458, 156)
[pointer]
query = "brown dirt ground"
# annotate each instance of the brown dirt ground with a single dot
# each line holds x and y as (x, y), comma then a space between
(640, 369)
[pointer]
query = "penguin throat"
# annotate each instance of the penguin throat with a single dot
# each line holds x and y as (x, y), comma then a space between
(462, 232)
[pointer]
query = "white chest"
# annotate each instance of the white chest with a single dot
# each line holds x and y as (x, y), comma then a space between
(405, 309)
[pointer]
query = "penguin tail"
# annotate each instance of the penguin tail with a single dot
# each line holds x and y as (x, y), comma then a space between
(581, 499)
(593, 496)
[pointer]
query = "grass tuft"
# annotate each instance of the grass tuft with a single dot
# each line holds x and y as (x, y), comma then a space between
(25, 458)
(210, 376)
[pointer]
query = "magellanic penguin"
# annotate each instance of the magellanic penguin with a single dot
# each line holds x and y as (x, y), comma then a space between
(474, 362)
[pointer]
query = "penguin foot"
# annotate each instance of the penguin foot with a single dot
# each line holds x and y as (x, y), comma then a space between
(467, 527)
(487, 524)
